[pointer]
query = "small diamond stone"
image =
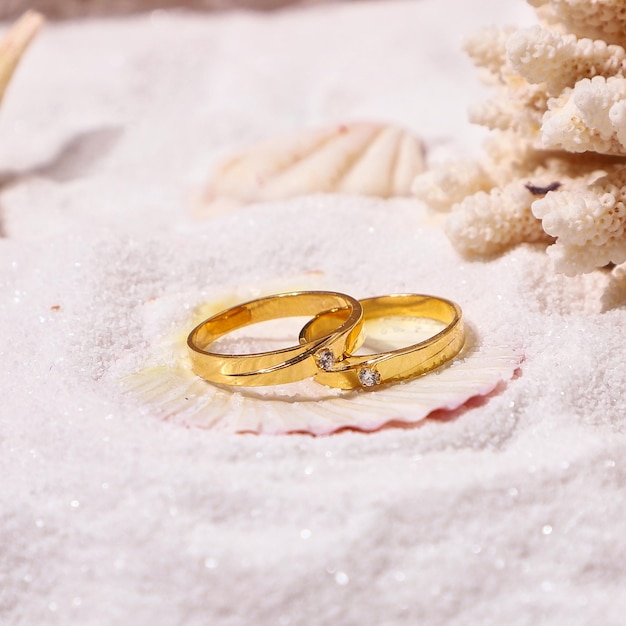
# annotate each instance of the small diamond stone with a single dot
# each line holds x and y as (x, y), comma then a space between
(325, 359)
(369, 377)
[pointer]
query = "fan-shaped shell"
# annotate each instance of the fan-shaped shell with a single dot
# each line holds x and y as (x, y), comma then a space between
(15, 43)
(173, 391)
(359, 158)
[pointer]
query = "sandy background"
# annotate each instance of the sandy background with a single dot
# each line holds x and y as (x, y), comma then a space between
(511, 511)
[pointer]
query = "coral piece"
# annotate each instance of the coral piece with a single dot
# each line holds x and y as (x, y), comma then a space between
(491, 201)
(590, 117)
(589, 223)
(597, 19)
(441, 187)
(487, 49)
(518, 105)
(489, 222)
(561, 100)
(359, 158)
(15, 43)
(521, 113)
(559, 61)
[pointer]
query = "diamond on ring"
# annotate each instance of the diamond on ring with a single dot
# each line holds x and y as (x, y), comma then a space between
(325, 359)
(369, 377)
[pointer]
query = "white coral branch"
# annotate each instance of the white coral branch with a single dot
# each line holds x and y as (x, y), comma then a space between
(597, 19)
(519, 109)
(560, 60)
(487, 223)
(561, 99)
(487, 49)
(441, 187)
(588, 222)
(589, 117)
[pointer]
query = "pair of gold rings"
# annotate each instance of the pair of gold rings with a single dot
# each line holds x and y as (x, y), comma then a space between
(327, 342)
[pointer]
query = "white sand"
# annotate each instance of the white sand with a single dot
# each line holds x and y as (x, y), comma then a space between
(511, 513)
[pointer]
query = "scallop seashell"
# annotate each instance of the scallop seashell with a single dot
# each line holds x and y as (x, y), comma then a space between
(358, 158)
(169, 390)
(15, 43)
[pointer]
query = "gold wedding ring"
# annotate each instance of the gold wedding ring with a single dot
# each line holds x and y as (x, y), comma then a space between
(371, 370)
(287, 365)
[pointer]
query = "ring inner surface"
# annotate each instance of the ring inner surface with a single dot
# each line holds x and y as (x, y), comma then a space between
(408, 307)
(273, 308)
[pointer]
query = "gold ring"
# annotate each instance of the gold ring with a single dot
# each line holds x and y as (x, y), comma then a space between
(279, 366)
(371, 370)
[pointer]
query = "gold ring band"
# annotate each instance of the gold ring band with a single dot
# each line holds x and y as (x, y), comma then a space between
(279, 366)
(374, 369)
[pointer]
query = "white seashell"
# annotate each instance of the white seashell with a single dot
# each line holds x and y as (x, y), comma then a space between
(359, 158)
(177, 394)
(15, 43)
(173, 392)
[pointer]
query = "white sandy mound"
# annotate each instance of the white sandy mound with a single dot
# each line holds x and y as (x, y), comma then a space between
(511, 513)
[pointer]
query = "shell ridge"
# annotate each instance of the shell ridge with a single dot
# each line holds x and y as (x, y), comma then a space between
(358, 156)
(339, 137)
(394, 173)
(296, 151)
(319, 140)
(371, 173)
(408, 157)
(364, 158)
